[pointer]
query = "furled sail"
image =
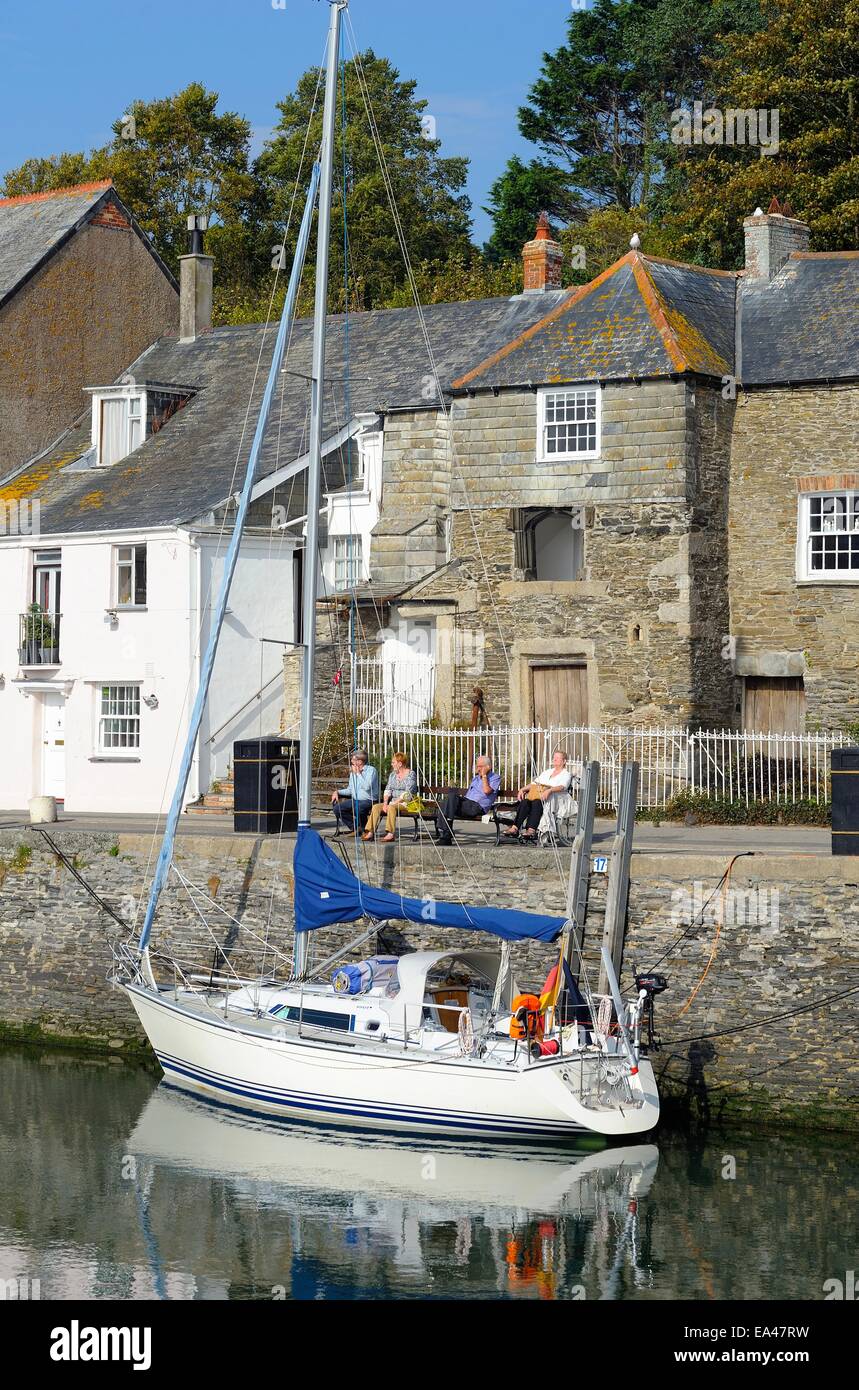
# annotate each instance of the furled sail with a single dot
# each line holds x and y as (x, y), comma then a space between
(327, 892)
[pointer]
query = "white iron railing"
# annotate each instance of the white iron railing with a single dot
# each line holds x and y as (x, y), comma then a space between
(393, 692)
(718, 762)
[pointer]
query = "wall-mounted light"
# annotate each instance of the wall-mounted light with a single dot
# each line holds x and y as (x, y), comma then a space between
(151, 701)
(112, 617)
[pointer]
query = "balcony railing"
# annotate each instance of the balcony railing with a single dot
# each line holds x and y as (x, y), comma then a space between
(39, 638)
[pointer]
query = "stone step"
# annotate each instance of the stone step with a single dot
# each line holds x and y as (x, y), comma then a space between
(199, 808)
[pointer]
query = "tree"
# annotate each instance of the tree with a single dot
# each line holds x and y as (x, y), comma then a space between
(600, 110)
(433, 209)
(518, 195)
(802, 68)
(168, 158)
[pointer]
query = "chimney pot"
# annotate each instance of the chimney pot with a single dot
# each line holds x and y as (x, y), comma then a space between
(542, 259)
(195, 283)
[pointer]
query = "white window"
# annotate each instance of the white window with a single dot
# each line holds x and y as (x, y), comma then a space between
(568, 424)
(119, 427)
(119, 718)
(130, 576)
(829, 536)
(347, 552)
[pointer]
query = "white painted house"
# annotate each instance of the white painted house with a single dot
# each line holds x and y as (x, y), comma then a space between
(112, 545)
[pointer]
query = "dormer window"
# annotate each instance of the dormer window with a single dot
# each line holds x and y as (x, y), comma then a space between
(120, 428)
(125, 415)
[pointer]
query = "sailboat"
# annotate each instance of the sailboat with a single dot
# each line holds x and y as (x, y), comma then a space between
(435, 1042)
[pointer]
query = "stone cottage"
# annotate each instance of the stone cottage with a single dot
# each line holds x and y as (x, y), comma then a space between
(639, 504)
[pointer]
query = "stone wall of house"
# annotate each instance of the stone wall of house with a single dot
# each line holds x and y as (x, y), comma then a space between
(784, 937)
(79, 322)
(650, 614)
(780, 626)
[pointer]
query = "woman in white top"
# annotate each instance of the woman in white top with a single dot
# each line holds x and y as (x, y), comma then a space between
(532, 798)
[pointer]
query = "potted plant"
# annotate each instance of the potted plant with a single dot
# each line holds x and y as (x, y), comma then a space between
(48, 653)
(29, 652)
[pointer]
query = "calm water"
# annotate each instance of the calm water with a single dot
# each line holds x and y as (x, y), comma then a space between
(114, 1186)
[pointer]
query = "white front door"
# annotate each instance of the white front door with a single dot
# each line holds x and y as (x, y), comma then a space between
(53, 745)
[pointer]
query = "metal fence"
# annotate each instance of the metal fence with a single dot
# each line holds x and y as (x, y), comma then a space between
(393, 692)
(717, 762)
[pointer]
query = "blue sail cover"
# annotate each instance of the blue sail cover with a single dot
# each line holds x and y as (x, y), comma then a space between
(326, 892)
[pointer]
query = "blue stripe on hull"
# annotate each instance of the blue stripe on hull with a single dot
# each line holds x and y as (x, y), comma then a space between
(291, 1101)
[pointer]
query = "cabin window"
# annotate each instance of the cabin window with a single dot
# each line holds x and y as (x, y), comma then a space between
(130, 582)
(829, 536)
(119, 718)
(568, 424)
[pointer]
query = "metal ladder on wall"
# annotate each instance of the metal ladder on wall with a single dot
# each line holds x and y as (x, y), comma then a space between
(617, 896)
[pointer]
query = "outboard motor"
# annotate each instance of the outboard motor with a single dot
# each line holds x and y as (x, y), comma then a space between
(650, 985)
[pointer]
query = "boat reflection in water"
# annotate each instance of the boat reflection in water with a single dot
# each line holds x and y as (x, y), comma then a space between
(372, 1216)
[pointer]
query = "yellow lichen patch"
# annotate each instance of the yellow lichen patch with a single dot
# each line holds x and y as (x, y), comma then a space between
(91, 501)
(30, 483)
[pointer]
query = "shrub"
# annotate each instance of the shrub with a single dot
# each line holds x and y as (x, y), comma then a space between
(714, 810)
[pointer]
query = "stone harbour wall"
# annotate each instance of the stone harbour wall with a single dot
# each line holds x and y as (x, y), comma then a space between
(783, 938)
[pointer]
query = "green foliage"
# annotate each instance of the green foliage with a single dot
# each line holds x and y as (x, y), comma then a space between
(518, 196)
(170, 157)
(428, 189)
(20, 860)
(712, 810)
(464, 276)
(805, 64)
(114, 851)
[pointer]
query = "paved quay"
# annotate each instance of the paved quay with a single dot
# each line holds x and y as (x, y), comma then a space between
(649, 839)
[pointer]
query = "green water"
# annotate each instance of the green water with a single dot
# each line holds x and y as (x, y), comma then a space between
(114, 1186)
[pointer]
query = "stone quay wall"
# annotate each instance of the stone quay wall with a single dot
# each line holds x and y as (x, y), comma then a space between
(783, 937)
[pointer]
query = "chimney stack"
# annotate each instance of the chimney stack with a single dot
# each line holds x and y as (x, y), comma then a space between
(771, 237)
(195, 283)
(542, 259)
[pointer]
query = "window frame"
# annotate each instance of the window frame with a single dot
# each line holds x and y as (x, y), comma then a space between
(133, 546)
(354, 559)
(579, 388)
(126, 395)
(117, 750)
(805, 574)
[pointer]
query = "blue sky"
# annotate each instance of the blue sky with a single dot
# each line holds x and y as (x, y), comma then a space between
(70, 67)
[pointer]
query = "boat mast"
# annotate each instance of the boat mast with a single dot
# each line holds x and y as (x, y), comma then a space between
(231, 557)
(314, 471)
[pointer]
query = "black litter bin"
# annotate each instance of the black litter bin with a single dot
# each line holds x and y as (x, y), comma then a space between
(845, 801)
(265, 774)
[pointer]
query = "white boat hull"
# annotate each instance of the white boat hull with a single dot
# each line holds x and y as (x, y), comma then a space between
(395, 1089)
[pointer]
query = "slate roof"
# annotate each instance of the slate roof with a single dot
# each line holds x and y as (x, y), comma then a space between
(187, 468)
(804, 324)
(646, 317)
(640, 318)
(34, 226)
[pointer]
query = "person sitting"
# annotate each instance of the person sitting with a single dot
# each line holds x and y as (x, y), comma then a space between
(473, 803)
(402, 787)
(533, 797)
(352, 803)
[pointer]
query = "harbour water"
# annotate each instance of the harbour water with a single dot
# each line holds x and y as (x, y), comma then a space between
(115, 1186)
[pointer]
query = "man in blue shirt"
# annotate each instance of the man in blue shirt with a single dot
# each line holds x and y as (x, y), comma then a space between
(473, 803)
(353, 803)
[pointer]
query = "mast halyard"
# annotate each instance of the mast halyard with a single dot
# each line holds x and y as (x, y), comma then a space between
(314, 471)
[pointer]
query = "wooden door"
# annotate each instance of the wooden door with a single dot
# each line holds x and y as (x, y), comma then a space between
(774, 705)
(560, 696)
